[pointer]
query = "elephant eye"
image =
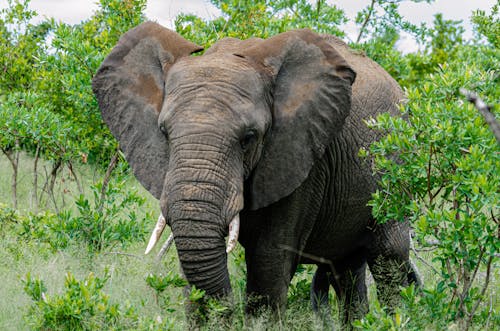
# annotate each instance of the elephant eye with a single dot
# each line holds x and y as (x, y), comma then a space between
(163, 129)
(248, 139)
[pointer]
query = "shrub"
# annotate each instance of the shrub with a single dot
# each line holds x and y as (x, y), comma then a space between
(102, 224)
(82, 306)
(441, 170)
(108, 220)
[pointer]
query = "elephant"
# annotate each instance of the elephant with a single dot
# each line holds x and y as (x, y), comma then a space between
(260, 136)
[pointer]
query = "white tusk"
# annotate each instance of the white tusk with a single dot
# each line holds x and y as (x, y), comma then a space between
(234, 230)
(160, 226)
(165, 246)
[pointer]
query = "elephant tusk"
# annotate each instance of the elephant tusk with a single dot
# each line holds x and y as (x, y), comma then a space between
(165, 246)
(234, 230)
(160, 226)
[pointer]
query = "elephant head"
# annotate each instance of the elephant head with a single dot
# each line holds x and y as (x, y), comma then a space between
(240, 126)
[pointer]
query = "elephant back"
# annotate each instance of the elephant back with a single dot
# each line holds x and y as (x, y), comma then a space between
(373, 92)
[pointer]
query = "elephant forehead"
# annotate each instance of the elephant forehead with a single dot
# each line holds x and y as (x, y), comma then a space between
(217, 70)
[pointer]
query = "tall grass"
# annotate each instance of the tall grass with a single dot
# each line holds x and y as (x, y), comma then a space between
(128, 268)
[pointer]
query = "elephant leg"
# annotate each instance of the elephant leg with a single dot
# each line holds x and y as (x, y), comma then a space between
(350, 286)
(389, 262)
(414, 276)
(268, 278)
(320, 287)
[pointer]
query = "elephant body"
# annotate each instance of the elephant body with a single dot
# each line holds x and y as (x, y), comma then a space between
(267, 132)
(327, 217)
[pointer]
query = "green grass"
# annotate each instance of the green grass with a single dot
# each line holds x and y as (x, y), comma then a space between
(128, 268)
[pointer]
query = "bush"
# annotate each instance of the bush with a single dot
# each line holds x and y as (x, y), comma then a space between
(109, 220)
(160, 283)
(82, 306)
(441, 170)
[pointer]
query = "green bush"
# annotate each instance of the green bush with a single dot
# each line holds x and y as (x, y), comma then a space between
(440, 169)
(8, 217)
(160, 283)
(82, 306)
(488, 26)
(109, 220)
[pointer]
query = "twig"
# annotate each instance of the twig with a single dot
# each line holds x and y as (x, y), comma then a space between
(367, 19)
(468, 280)
(490, 312)
(412, 247)
(45, 185)
(484, 109)
(429, 167)
(483, 291)
(319, 259)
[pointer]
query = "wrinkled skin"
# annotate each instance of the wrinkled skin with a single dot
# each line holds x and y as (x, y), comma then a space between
(269, 129)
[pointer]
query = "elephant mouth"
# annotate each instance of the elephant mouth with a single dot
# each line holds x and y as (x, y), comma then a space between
(233, 233)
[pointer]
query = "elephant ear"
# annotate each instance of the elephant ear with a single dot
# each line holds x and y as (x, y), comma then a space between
(311, 85)
(129, 87)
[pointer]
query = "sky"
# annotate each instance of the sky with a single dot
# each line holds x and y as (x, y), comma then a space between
(165, 11)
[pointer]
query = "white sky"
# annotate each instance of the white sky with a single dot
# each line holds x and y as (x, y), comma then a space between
(164, 11)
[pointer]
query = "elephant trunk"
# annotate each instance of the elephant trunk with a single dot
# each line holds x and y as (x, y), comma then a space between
(203, 259)
(201, 196)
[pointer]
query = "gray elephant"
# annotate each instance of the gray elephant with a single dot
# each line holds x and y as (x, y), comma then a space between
(261, 136)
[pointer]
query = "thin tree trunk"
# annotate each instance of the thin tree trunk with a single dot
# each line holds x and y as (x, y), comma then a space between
(107, 177)
(72, 171)
(13, 156)
(34, 195)
(53, 176)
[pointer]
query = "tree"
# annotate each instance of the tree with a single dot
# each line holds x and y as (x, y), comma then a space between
(488, 26)
(262, 18)
(21, 45)
(382, 15)
(46, 98)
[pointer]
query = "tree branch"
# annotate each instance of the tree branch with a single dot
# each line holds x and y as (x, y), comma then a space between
(365, 23)
(484, 109)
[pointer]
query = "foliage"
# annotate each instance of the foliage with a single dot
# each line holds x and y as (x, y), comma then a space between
(441, 170)
(21, 46)
(49, 86)
(108, 220)
(244, 19)
(99, 228)
(299, 289)
(23, 119)
(381, 15)
(160, 283)
(8, 216)
(488, 25)
(47, 107)
(83, 306)
(442, 40)
(77, 52)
